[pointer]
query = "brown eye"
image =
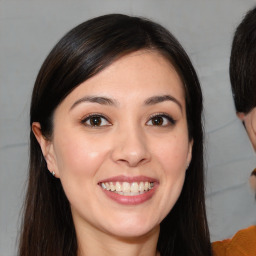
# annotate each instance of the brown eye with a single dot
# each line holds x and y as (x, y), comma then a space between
(95, 121)
(161, 120)
(157, 120)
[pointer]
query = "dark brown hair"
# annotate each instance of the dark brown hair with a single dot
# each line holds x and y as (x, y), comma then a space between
(47, 227)
(242, 67)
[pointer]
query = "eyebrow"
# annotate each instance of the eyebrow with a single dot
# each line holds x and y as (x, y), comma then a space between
(96, 99)
(111, 102)
(158, 99)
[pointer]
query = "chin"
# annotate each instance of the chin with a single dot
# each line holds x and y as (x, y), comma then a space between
(132, 228)
(132, 233)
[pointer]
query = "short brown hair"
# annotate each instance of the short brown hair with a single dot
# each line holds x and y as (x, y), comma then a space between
(242, 67)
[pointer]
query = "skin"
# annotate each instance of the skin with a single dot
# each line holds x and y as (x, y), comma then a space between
(252, 182)
(127, 143)
(249, 120)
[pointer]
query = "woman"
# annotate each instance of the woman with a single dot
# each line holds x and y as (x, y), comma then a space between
(116, 160)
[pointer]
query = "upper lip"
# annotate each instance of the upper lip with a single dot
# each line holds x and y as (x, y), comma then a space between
(122, 178)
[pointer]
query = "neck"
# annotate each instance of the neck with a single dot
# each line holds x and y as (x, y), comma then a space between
(100, 243)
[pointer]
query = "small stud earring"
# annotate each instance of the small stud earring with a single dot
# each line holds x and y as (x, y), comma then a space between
(53, 173)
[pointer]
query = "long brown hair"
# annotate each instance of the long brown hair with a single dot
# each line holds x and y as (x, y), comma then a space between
(47, 227)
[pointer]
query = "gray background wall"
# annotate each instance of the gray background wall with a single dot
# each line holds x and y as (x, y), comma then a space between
(29, 29)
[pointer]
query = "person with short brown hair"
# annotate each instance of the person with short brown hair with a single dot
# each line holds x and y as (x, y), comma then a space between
(242, 72)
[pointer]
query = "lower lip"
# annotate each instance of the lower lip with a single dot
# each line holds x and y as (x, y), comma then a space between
(131, 200)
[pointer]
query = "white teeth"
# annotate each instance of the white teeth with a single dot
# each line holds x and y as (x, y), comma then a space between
(134, 187)
(112, 187)
(107, 185)
(141, 186)
(118, 187)
(146, 186)
(126, 188)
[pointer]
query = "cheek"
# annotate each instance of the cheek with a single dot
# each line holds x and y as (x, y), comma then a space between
(172, 156)
(79, 157)
(172, 153)
(79, 161)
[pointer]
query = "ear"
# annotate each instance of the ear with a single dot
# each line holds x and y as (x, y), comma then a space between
(254, 120)
(46, 147)
(249, 121)
(240, 115)
(253, 124)
(252, 182)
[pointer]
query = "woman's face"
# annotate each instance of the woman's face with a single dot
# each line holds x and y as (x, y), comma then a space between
(120, 146)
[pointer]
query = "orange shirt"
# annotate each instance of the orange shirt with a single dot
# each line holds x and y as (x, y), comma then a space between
(243, 243)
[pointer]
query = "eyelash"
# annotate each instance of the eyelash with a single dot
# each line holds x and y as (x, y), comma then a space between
(170, 120)
(89, 117)
(95, 115)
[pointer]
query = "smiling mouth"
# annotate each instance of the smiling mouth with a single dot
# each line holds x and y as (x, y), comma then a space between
(126, 188)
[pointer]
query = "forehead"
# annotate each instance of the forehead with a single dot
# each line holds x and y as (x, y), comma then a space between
(137, 75)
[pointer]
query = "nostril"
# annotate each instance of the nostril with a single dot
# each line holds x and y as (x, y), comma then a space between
(131, 149)
(133, 161)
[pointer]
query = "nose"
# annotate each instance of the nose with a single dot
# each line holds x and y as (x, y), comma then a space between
(131, 148)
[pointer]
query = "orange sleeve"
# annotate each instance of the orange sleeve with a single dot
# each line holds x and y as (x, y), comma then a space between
(242, 244)
(219, 248)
